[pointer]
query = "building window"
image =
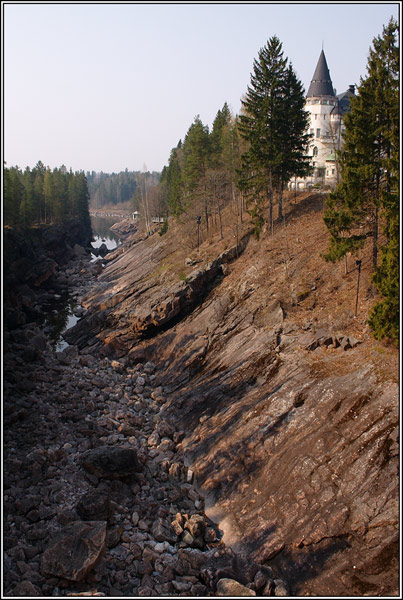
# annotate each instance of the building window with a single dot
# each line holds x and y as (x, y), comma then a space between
(312, 131)
(315, 151)
(318, 133)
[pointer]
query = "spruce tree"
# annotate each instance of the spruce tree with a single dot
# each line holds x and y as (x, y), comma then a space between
(353, 209)
(13, 196)
(83, 199)
(294, 139)
(195, 154)
(195, 158)
(384, 317)
(38, 174)
(221, 121)
(367, 199)
(171, 183)
(28, 208)
(273, 123)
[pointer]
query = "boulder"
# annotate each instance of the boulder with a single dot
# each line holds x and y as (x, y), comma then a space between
(103, 249)
(75, 550)
(162, 531)
(196, 525)
(94, 506)
(230, 587)
(110, 463)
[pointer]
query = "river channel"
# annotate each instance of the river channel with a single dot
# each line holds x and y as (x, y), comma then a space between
(63, 313)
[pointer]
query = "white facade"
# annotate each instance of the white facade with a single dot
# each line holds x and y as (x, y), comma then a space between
(326, 127)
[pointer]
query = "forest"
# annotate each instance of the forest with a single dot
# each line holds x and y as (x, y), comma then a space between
(44, 196)
(109, 190)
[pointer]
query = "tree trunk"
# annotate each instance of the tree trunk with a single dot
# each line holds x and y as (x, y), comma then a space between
(375, 240)
(280, 202)
(270, 195)
(219, 218)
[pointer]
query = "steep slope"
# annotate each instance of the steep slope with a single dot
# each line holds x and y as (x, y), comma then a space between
(289, 407)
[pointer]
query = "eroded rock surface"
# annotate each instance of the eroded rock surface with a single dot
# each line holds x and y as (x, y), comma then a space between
(256, 412)
(97, 498)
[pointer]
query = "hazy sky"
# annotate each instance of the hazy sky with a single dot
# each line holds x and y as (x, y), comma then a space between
(109, 86)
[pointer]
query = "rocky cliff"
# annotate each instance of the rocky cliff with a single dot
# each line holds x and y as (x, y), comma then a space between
(34, 259)
(289, 407)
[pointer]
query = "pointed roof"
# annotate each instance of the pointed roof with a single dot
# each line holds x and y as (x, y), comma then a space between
(344, 99)
(321, 84)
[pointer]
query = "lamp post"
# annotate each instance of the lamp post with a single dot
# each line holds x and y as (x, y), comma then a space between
(358, 263)
(198, 221)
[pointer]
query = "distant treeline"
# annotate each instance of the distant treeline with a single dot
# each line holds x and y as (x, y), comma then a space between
(111, 189)
(44, 196)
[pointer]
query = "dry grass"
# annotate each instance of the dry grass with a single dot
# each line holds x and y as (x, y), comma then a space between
(287, 266)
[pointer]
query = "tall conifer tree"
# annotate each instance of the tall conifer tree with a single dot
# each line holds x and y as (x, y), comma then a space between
(274, 140)
(367, 199)
(195, 156)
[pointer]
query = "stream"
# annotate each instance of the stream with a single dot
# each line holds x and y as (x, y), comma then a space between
(64, 312)
(102, 233)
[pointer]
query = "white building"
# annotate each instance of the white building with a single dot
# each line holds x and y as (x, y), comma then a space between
(326, 111)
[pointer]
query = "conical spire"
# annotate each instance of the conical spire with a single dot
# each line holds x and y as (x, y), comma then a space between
(321, 84)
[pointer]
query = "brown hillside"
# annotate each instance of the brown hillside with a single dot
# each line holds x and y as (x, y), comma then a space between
(288, 407)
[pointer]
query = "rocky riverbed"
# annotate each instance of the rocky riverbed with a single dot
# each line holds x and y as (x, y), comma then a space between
(238, 373)
(97, 498)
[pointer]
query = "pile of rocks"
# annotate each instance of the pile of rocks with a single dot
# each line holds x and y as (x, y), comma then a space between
(97, 498)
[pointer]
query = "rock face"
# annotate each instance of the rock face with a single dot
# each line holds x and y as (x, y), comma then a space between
(137, 307)
(291, 428)
(33, 260)
(263, 418)
(125, 228)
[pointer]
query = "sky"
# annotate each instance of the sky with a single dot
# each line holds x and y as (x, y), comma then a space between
(110, 86)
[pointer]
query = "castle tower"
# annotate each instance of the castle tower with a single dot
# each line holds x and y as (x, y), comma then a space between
(321, 84)
(325, 125)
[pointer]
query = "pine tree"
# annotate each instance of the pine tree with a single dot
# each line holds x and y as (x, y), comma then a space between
(275, 143)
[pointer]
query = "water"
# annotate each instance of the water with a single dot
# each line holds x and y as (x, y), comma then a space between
(58, 319)
(60, 315)
(101, 229)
